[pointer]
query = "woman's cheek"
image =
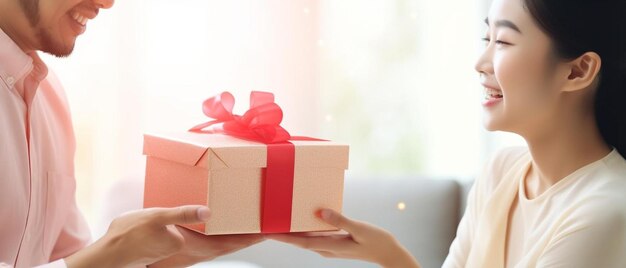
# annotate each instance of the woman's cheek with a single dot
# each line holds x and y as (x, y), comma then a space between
(513, 78)
(506, 73)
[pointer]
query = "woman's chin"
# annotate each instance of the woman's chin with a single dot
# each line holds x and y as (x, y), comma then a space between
(491, 125)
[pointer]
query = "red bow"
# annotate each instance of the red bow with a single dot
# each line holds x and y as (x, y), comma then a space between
(260, 123)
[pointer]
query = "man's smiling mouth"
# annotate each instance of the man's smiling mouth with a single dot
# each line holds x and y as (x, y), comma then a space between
(82, 20)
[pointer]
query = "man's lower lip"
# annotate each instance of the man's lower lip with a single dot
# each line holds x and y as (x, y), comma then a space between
(491, 102)
(77, 27)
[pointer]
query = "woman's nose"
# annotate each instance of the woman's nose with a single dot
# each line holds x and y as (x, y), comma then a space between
(483, 64)
(104, 3)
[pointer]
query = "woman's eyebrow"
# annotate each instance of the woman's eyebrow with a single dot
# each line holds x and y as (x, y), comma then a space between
(505, 23)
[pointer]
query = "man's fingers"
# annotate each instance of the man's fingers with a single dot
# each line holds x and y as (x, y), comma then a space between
(226, 240)
(239, 238)
(181, 215)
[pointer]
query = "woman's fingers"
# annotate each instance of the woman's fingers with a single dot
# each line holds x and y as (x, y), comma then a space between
(340, 221)
(326, 254)
(333, 243)
(363, 241)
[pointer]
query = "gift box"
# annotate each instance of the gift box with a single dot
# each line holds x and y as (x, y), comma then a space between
(251, 185)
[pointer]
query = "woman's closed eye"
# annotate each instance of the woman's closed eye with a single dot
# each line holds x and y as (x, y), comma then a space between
(498, 42)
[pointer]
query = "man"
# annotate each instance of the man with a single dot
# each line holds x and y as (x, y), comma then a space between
(41, 224)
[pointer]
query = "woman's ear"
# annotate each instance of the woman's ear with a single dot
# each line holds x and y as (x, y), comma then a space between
(583, 71)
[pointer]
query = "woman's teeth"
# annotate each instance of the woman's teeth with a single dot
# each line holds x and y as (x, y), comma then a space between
(82, 20)
(491, 93)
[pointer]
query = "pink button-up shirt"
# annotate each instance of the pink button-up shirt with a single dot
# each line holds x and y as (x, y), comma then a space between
(40, 222)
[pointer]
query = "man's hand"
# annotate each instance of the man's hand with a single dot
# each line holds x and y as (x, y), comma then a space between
(148, 236)
(199, 247)
(362, 241)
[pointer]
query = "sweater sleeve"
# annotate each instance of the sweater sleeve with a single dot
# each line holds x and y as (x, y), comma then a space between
(459, 250)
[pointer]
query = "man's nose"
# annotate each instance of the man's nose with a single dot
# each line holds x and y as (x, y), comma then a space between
(104, 3)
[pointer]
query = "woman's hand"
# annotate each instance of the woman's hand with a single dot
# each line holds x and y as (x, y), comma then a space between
(150, 236)
(362, 241)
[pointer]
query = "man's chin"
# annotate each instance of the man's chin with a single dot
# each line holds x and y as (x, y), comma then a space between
(59, 52)
(54, 48)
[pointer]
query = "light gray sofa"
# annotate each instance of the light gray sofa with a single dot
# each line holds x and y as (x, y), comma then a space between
(426, 226)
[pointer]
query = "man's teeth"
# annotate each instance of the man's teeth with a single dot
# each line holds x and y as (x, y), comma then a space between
(82, 20)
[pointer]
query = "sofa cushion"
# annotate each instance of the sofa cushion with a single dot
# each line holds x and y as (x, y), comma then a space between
(425, 223)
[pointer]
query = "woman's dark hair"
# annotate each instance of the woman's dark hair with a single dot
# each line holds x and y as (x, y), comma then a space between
(579, 26)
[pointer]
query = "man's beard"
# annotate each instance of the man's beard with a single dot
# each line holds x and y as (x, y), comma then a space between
(46, 42)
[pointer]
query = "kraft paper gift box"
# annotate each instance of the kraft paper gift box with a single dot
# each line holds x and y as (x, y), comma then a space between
(227, 174)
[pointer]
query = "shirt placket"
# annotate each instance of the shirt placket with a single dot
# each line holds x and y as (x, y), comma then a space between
(29, 228)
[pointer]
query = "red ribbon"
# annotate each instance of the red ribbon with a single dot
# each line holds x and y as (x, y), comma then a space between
(260, 123)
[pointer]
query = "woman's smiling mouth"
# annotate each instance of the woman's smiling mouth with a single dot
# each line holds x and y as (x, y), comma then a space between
(492, 96)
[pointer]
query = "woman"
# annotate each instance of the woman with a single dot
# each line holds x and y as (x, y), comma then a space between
(554, 73)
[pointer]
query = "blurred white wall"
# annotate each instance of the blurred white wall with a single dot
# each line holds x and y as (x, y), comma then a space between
(394, 78)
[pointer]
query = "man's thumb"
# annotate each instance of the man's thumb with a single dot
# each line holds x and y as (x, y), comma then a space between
(183, 215)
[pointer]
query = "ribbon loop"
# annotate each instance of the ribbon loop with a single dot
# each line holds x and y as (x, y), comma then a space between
(260, 123)
(219, 107)
(266, 114)
(258, 98)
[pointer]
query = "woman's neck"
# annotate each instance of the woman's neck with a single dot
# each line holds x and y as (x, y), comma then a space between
(560, 150)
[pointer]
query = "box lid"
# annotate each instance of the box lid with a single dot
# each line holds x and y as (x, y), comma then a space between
(217, 151)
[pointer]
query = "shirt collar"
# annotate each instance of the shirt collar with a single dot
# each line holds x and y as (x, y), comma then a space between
(16, 64)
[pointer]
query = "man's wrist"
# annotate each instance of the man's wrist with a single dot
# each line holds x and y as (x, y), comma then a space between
(99, 254)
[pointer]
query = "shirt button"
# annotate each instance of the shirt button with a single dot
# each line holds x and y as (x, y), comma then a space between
(10, 80)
